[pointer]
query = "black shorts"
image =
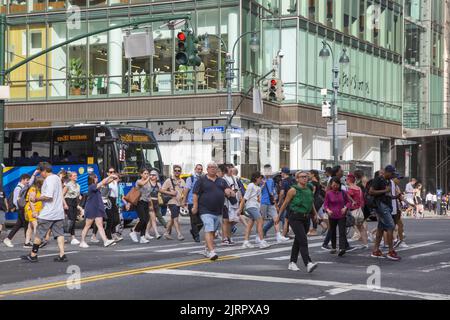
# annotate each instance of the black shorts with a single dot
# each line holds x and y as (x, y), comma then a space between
(225, 213)
(397, 218)
(174, 211)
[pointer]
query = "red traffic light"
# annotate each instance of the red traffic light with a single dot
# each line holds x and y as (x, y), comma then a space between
(273, 82)
(181, 36)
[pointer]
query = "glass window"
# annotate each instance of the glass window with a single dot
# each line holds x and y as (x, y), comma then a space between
(98, 59)
(162, 62)
(73, 146)
(17, 51)
(6, 159)
(31, 147)
(77, 64)
(56, 61)
(118, 70)
(37, 67)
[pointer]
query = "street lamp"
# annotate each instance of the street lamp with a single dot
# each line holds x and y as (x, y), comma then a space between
(229, 77)
(344, 60)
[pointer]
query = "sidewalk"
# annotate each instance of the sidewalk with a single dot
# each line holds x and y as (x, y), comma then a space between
(430, 215)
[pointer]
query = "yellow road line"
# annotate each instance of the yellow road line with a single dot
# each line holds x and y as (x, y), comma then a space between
(112, 275)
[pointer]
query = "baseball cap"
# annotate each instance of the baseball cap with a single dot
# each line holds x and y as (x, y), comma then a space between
(286, 170)
(398, 176)
(391, 169)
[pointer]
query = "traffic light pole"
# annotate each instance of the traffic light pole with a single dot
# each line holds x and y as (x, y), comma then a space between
(4, 72)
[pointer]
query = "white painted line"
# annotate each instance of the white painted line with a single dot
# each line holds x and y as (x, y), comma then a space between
(313, 299)
(337, 291)
(40, 256)
(318, 283)
(146, 248)
(443, 265)
(410, 247)
(430, 254)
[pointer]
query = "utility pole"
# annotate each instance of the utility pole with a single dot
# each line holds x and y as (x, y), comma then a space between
(2, 83)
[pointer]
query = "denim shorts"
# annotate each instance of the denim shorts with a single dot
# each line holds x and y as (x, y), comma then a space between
(268, 211)
(384, 217)
(253, 213)
(210, 222)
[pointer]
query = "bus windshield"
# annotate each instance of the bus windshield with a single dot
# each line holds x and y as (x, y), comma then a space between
(139, 155)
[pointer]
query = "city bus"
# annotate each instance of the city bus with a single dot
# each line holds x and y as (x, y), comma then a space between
(82, 148)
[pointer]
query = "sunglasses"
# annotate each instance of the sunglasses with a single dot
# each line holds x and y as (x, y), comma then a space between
(111, 172)
(153, 175)
(177, 171)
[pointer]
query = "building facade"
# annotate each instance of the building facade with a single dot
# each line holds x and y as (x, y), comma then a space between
(393, 89)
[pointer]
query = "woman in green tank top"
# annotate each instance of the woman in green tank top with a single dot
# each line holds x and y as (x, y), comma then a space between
(301, 200)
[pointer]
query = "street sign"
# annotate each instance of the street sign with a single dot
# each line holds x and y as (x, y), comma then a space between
(341, 128)
(4, 92)
(326, 109)
(139, 44)
(226, 112)
(217, 129)
(324, 92)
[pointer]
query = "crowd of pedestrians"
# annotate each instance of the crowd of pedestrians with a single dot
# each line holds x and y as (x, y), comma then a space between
(49, 205)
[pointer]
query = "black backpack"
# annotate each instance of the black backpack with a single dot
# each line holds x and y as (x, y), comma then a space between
(368, 199)
(11, 205)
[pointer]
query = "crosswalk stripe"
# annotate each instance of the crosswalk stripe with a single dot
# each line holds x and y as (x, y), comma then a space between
(430, 254)
(319, 283)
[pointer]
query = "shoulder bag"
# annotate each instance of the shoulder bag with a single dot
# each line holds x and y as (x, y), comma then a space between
(133, 196)
(165, 197)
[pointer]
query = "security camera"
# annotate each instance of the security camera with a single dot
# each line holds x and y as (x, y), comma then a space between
(280, 53)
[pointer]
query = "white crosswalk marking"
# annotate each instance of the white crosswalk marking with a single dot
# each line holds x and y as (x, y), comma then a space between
(430, 254)
(319, 283)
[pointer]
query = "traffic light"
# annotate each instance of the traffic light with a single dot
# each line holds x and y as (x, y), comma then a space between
(265, 90)
(192, 52)
(280, 91)
(273, 90)
(181, 57)
(187, 54)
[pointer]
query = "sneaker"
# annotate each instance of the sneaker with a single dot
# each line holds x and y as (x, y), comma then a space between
(180, 237)
(311, 267)
(61, 259)
(29, 258)
(148, 237)
(225, 242)
(74, 242)
(326, 247)
(333, 251)
(293, 266)
(43, 244)
(143, 240)
(94, 240)
(393, 256)
(281, 239)
(205, 252)
(197, 239)
(397, 243)
(117, 238)
(378, 254)
(28, 245)
(8, 243)
(167, 236)
(84, 245)
(134, 237)
(403, 245)
(158, 236)
(257, 240)
(231, 242)
(247, 245)
(212, 256)
(341, 253)
(263, 244)
(108, 243)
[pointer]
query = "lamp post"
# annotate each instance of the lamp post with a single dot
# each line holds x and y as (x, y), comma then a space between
(344, 60)
(229, 77)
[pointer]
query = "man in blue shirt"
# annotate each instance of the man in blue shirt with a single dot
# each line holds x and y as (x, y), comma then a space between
(268, 204)
(196, 223)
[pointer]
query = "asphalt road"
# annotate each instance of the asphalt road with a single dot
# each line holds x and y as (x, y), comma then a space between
(170, 269)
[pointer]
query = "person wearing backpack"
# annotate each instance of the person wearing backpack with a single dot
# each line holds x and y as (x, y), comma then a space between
(174, 187)
(19, 193)
(300, 199)
(196, 222)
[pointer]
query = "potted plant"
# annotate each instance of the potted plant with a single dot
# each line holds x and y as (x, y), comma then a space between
(76, 76)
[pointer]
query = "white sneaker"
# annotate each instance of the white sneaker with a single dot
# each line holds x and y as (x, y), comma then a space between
(74, 242)
(263, 244)
(108, 243)
(84, 245)
(94, 240)
(134, 237)
(149, 237)
(8, 243)
(281, 239)
(403, 245)
(205, 252)
(143, 240)
(311, 266)
(247, 245)
(212, 255)
(257, 240)
(293, 267)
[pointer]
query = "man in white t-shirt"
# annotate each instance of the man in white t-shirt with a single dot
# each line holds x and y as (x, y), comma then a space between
(232, 208)
(51, 216)
(409, 191)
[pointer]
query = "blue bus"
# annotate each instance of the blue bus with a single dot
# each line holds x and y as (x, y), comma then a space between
(81, 148)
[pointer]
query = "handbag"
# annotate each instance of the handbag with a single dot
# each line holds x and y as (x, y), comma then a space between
(133, 196)
(358, 215)
(349, 220)
(165, 197)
